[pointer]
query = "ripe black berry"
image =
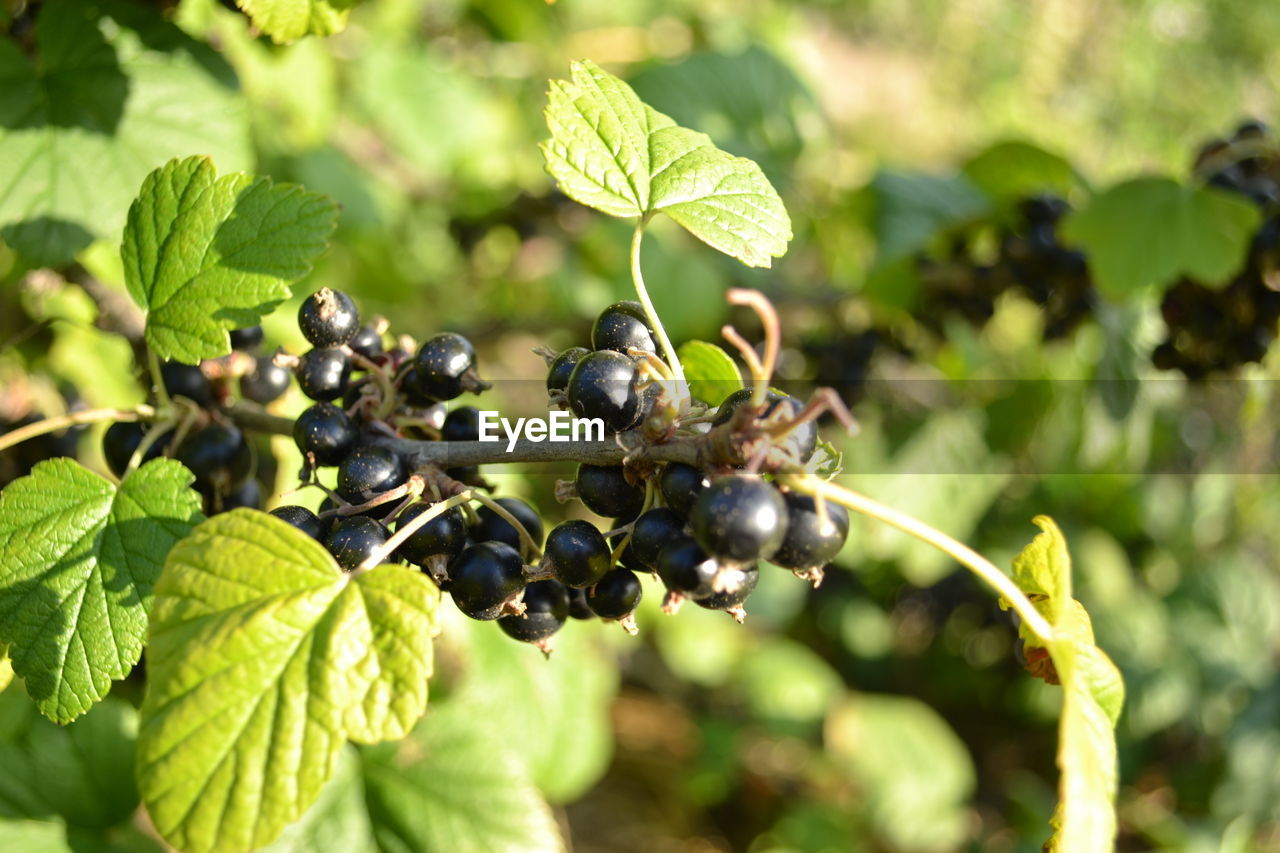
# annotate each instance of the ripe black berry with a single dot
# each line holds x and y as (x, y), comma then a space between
(484, 577)
(561, 367)
(735, 597)
(605, 490)
(802, 441)
(323, 373)
(303, 519)
(247, 494)
(325, 431)
(546, 609)
(685, 568)
(577, 552)
(615, 595)
(328, 318)
(681, 484)
(654, 530)
(491, 527)
(603, 385)
(370, 470)
(218, 455)
(623, 326)
(186, 380)
(446, 367)
(247, 339)
(462, 424)
(353, 540)
(810, 544)
(445, 535)
(739, 518)
(266, 382)
(122, 438)
(367, 342)
(578, 607)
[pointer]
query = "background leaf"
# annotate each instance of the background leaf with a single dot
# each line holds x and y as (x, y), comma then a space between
(710, 370)
(1149, 231)
(112, 92)
(264, 658)
(78, 558)
(205, 254)
(913, 208)
(1011, 170)
(287, 20)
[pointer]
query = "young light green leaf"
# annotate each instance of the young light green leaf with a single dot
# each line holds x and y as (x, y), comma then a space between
(1149, 231)
(111, 91)
(82, 773)
(288, 20)
(1093, 696)
(826, 462)
(711, 372)
(610, 151)
(1012, 170)
(204, 254)
(265, 658)
(339, 819)
(456, 785)
(78, 559)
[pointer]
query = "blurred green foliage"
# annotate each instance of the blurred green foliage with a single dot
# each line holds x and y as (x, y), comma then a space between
(883, 710)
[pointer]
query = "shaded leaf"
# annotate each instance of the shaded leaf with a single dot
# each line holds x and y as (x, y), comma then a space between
(913, 208)
(711, 372)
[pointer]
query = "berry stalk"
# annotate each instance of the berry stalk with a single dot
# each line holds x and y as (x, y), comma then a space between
(17, 436)
(637, 278)
(403, 532)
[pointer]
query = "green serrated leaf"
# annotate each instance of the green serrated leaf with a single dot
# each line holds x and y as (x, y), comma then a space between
(1012, 170)
(111, 92)
(338, 820)
(78, 559)
(610, 151)
(1149, 231)
(1092, 698)
(204, 254)
(82, 773)
(711, 372)
(288, 20)
(456, 785)
(265, 658)
(826, 462)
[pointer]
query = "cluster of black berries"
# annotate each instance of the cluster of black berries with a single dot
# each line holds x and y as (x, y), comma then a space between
(1029, 258)
(223, 459)
(1217, 329)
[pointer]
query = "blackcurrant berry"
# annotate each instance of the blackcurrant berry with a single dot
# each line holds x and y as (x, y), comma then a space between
(809, 543)
(305, 520)
(484, 577)
(247, 494)
(577, 552)
(491, 527)
(186, 380)
(546, 609)
(735, 597)
(603, 385)
(217, 455)
(681, 484)
(353, 540)
(247, 339)
(623, 326)
(605, 490)
(615, 595)
(328, 318)
(654, 530)
(561, 367)
(446, 367)
(739, 518)
(802, 441)
(323, 374)
(462, 424)
(367, 342)
(578, 607)
(445, 535)
(325, 431)
(370, 470)
(122, 438)
(685, 568)
(413, 387)
(266, 382)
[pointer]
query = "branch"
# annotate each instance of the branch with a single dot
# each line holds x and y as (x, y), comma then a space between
(255, 419)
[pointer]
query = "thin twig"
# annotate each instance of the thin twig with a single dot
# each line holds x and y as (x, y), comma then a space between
(48, 425)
